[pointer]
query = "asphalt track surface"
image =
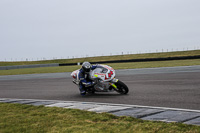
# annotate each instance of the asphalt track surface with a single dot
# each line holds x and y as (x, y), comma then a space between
(173, 87)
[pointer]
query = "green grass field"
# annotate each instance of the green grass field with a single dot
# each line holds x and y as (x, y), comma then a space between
(114, 65)
(17, 118)
(107, 58)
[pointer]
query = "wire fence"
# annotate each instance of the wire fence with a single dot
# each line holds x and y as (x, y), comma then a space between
(94, 55)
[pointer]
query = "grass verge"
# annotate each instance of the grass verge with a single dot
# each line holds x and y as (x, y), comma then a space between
(107, 58)
(114, 65)
(17, 118)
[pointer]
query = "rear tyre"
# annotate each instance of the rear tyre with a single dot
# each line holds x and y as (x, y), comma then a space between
(121, 87)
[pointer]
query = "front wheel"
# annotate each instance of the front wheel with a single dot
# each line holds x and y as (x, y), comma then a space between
(121, 87)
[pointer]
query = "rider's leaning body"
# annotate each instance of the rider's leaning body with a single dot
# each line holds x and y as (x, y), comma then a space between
(84, 76)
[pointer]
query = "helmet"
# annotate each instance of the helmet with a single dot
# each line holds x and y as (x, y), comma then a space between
(86, 66)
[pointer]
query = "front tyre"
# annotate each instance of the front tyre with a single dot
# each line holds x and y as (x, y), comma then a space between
(121, 87)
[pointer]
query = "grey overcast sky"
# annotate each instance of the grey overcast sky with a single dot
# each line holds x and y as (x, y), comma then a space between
(64, 28)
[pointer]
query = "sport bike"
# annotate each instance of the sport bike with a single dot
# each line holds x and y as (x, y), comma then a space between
(105, 81)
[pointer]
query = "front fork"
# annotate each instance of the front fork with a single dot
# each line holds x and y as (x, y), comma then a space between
(112, 83)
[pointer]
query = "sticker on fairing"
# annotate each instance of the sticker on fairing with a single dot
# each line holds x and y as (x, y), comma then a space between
(115, 80)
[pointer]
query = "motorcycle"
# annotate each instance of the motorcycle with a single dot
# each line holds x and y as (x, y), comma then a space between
(105, 80)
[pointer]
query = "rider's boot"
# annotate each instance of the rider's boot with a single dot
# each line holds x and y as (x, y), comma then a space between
(82, 90)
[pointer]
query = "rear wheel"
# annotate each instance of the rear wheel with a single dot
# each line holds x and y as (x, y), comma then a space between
(121, 87)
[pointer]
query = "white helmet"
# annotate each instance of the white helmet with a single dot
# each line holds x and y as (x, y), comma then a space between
(86, 66)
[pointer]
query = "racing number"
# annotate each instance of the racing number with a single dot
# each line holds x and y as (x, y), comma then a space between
(109, 75)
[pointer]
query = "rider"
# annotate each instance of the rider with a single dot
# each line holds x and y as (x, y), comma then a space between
(84, 78)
